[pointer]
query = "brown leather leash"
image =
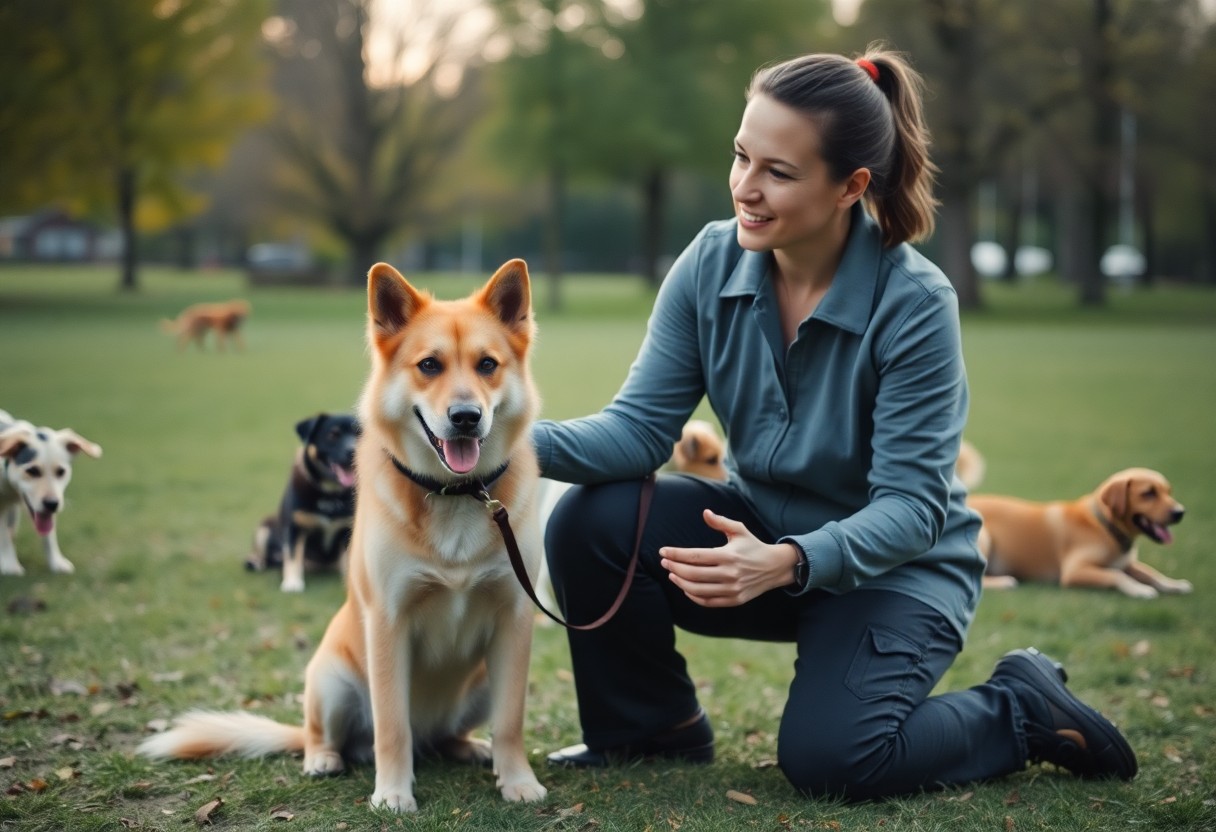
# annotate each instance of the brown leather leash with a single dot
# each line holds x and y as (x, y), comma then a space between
(499, 512)
(477, 488)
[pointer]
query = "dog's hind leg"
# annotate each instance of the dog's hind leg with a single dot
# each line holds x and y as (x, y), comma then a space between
(9, 565)
(337, 715)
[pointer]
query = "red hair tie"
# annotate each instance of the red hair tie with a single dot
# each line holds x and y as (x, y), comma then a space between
(869, 67)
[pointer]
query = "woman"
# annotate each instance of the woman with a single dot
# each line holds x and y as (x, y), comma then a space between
(829, 350)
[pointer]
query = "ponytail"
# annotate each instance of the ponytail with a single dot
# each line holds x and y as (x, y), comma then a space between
(870, 115)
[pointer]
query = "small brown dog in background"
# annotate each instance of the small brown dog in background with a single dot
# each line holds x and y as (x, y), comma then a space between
(700, 451)
(1087, 542)
(194, 322)
(970, 465)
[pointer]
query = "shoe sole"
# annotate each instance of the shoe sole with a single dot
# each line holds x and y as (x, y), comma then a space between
(1047, 676)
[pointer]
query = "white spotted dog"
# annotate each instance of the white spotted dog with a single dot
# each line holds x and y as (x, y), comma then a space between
(37, 467)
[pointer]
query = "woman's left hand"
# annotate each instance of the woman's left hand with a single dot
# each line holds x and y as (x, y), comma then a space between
(733, 573)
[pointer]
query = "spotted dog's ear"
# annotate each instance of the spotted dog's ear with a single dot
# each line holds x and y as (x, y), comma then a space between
(14, 440)
(75, 443)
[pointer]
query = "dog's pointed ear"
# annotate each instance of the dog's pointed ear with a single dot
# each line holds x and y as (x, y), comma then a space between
(304, 427)
(1113, 494)
(508, 294)
(75, 443)
(391, 302)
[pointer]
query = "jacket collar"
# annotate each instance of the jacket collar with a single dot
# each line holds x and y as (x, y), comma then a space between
(849, 301)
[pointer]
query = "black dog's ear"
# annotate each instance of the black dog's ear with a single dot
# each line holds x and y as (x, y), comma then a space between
(305, 428)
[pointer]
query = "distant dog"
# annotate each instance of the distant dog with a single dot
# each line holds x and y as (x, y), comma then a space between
(37, 469)
(194, 322)
(1087, 542)
(700, 451)
(436, 631)
(315, 515)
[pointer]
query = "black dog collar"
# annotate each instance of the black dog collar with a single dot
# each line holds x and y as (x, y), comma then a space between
(1125, 542)
(472, 486)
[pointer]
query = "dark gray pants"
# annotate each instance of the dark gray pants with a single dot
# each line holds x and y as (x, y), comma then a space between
(859, 722)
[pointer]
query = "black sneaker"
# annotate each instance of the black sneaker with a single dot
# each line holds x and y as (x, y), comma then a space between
(1061, 729)
(693, 743)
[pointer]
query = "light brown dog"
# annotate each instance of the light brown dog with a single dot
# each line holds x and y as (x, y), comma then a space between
(1087, 542)
(700, 451)
(970, 465)
(436, 632)
(194, 322)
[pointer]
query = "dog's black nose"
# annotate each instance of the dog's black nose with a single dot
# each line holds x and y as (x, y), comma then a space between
(50, 505)
(1176, 514)
(464, 416)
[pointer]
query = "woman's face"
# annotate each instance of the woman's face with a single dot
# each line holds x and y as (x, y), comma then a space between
(783, 194)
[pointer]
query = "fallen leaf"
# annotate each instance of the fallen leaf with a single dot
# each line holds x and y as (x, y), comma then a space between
(100, 708)
(1204, 710)
(1172, 754)
(741, 797)
(15, 789)
(203, 815)
(765, 763)
(1141, 648)
(1170, 799)
(563, 675)
(282, 813)
(1008, 824)
(8, 762)
(67, 773)
(576, 809)
(1013, 798)
(1160, 700)
(129, 823)
(169, 676)
(59, 687)
(38, 785)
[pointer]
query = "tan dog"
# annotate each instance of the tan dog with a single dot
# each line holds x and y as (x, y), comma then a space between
(194, 322)
(700, 451)
(436, 632)
(1087, 542)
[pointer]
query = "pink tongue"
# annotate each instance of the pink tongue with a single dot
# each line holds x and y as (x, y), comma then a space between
(1166, 537)
(345, 476)
(44, 522)
(461, 454)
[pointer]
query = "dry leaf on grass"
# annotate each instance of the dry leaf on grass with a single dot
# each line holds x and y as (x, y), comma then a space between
(203, 816)
(741, 797)
(8, 762)
(282, 813)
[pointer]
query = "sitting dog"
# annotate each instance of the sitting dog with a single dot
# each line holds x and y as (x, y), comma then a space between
(436, 631)
(312, 528)
(37, 469)
(700, 451)
(194, 322)
(1087, 542)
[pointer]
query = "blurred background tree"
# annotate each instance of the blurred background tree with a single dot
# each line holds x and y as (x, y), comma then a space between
(109, 105)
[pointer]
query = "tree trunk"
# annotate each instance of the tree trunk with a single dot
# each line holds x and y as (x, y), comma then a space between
(1105, 129)
(364, 252)
(553, 234)
(654, 208)
(1207, 259)
(129, 280)
(956, 227)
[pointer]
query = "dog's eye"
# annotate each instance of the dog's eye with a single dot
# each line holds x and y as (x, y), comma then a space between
(487, 366)
(1150, 494)
(713, 460)
(430, 366)
(33, 471)
(59, 472)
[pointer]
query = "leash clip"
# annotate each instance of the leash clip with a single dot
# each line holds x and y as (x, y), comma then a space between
(489, 502)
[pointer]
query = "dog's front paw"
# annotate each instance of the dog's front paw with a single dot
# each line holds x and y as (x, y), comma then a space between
(1176, 586)
(323, 763)
(395, 800)
(292, 585)
(13, 568)
(524, 789)
(1135, 589)
(62, 566)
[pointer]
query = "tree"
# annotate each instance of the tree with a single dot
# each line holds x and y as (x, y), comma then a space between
(115, 102)
(363, 145)
(646, 89)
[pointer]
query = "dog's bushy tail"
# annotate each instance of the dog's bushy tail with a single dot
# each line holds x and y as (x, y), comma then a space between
(199, 734)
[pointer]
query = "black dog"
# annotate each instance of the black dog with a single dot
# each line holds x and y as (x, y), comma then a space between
(314, 520)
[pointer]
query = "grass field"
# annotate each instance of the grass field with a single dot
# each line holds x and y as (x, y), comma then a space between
(160, 616)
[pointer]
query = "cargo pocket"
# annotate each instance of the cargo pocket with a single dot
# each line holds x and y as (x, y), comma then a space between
(882, 664)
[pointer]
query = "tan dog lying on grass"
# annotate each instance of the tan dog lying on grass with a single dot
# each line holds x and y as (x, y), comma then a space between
(194, 322)
(1087, 542)
(436, 632)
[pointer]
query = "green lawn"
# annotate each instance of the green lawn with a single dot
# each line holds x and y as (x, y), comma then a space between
(160, 616)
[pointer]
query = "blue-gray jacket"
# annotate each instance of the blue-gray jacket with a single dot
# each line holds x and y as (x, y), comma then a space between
(844, 444)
